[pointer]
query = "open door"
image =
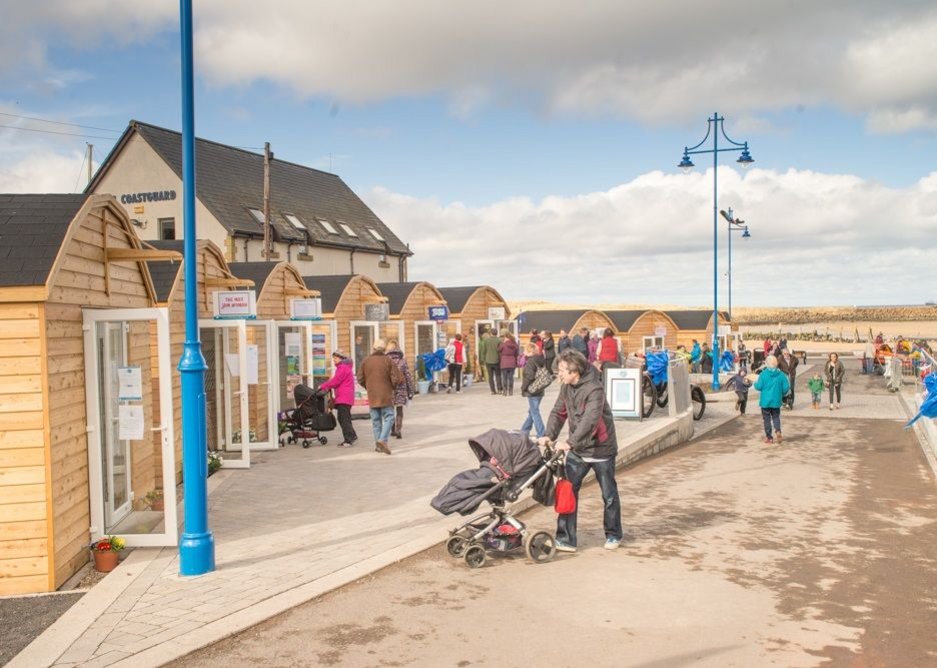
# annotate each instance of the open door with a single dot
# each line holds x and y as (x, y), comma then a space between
(227, 402)
(132, 477)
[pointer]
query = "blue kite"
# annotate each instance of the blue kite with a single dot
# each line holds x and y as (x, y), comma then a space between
(657, 366)
(929, 405)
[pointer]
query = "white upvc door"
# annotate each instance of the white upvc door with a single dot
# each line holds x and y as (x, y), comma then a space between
(226, 391)
(263, 334)
(124, 463)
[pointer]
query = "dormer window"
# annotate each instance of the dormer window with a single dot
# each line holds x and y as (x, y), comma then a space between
(327, 226)
(350, 232)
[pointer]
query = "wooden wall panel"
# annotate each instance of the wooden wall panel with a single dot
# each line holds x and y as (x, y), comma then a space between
(24, 562)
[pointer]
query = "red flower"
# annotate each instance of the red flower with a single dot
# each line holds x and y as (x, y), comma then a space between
(103, 546)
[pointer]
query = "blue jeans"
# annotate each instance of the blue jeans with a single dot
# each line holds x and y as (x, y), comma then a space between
(769, 416)
(382, 421)
(576, 470)
(533, 416)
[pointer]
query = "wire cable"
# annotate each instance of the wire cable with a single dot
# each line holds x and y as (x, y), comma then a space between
(54, 132)
(80, 170)
(46, 120)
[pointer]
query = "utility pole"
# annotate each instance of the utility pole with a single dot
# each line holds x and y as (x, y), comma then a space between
(90, 156)
(267, 157)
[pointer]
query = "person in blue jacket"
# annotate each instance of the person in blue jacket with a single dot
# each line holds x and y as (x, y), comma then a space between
(773, 385)
(696, 357)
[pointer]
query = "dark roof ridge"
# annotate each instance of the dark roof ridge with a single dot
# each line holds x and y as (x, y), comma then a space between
(134, 122)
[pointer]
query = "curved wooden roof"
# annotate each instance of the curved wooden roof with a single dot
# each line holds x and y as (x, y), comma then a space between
(332, 289)
(457, 297)
(398, 294)
(554, 321)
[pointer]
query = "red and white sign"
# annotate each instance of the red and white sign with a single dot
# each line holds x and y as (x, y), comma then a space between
(235, 304)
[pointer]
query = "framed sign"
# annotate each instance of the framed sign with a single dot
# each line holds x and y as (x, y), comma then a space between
(496, 313)
(377, 312)
(235, 304)
(440, 312)
(660, 331)
(623, 391)
(306, 309)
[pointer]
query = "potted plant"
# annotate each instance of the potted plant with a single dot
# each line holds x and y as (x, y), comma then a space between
(154, 500)
(422, 382)
(214, 462)
(105, 551)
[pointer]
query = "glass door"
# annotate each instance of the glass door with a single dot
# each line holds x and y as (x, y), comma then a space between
(363, 335)
(261, 381)
(129, 407)
(323, 341)
(227, 401)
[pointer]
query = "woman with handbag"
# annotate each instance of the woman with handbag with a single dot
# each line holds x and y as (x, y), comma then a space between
(343, 382)
(403, 393)
(508, 350)
(533, 387)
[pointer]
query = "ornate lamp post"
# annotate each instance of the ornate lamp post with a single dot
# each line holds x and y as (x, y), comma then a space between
(715, 128)
(197, 547)
(735, 225)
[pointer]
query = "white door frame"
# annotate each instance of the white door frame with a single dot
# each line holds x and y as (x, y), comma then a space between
(305, 361)
(224, 393)
(375, 332)
(273, 442)
(331, 338)
(90, 318)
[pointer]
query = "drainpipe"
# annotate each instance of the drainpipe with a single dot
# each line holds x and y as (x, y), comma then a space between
(351, 260)
(246, 240)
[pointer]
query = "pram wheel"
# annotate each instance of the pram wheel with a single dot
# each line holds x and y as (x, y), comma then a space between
(475, 556)
(306, 443)
(456, 545)
(540, 547)
(323, 440)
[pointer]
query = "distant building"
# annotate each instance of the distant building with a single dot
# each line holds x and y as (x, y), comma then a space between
(318, 223)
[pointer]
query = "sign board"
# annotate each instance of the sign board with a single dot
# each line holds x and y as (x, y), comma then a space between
(440, 312)
(235, 304)
(660, 330)
(623, 391)
(306, 309)
(496, 313)
(129, 383)
(377, 312)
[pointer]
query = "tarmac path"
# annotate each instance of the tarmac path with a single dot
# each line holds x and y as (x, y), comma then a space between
(815, 552)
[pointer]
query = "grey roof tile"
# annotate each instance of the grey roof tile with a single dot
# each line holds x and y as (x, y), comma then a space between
(32, 229)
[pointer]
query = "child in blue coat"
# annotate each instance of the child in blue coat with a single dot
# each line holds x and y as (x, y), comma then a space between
(773, 385)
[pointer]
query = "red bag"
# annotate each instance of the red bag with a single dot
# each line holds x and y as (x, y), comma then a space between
(565, 498)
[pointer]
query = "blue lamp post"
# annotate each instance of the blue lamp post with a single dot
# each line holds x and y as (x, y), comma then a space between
(715, 128)
(735, 225)
(197, 547)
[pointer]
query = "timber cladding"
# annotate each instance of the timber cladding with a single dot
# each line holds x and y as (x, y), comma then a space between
(44, 481)
(25, 562)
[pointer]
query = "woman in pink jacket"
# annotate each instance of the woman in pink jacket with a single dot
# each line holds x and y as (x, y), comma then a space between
(343, 382)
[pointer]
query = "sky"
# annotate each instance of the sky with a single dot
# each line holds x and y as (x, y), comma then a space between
(533, 146)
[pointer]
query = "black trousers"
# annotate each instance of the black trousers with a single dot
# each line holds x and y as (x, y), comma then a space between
(344, 421)
(494, 377)
(455, 376)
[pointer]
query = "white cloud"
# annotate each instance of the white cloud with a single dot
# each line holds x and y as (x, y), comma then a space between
(654, 62)
(44, 172)
(816, 239)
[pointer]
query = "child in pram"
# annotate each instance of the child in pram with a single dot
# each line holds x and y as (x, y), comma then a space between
(509, 464)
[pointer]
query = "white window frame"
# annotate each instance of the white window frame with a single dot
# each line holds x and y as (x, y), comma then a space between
(347, 229)
(375, 234)
(648, 342)
(327, 226)
(257, 214)
(295, 221)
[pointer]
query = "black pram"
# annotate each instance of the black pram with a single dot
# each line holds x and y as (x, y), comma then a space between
(509, 464)
(310, 417)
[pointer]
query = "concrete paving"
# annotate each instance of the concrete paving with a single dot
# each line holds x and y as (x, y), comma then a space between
(297, 524)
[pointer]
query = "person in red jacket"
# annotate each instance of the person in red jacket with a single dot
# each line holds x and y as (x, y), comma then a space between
(455, 358)
(343, 382)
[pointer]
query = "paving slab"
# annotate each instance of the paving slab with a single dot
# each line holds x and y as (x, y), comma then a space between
(298, 523)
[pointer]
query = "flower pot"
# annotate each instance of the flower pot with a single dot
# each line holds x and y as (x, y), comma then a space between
(422, 386)
(105, 562)
(158, 505)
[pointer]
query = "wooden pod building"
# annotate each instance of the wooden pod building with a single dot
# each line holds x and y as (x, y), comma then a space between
(641, 330)
(696, 324)
(570, 319)
(472, 309)
(410, 305)
(76, 399)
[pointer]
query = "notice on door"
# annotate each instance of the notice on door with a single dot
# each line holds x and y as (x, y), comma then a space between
(130, 423)
(253, 365)
(129, 383)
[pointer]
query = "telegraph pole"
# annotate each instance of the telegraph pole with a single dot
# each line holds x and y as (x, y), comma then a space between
(267, 156)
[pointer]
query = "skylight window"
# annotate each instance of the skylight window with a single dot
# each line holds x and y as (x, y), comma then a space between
(328, 226)
(350, 232)
(296, 222)
(258, 215)
(375, 234)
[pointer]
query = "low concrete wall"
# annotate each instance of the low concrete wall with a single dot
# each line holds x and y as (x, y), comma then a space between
(680, 430)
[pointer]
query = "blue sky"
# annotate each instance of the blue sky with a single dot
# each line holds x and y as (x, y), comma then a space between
(470, 129)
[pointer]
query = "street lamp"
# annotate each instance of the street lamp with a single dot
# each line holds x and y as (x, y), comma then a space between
(715, 126)
(735, 225)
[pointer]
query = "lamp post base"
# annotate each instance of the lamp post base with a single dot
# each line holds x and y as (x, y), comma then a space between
(196, 553)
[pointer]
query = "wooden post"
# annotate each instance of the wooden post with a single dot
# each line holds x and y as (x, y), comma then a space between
(267, 201)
